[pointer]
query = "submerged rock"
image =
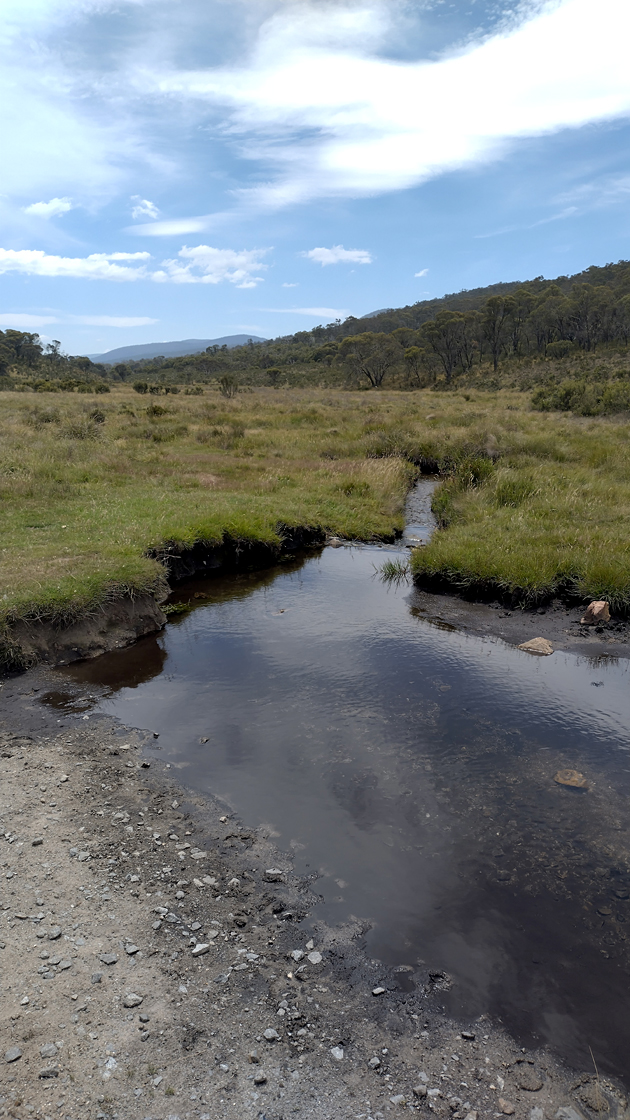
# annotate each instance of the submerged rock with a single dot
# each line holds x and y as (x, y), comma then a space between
(571, 778)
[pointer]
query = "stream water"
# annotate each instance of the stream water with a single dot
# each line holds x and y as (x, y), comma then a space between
(411, 767)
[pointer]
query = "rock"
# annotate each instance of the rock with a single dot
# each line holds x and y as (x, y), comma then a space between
(571, 778)
(131, 949)
(96, 977)
(260, 1078)
(296, 955)
(337, 1053)
(315, 958)
(473, 1115)
(200, 948)
(82, 856)
(253, 1057)
(597, 611)
(48, 1051)
(54, 933)
(108, 958)
(419, 1091)
(132, 1000)
(48, 1072)
(156, 925)
(37, 841)
(274, 875)
(537, 645)
(13, 1054)
(63, 965)
(397, 1099)
(528, 1079)
(270, 1034)
(506, 1107)
(374, 1063)
(469, 1036)
(378, 991)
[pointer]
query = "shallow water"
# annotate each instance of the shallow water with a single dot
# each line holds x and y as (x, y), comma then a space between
(412, 768)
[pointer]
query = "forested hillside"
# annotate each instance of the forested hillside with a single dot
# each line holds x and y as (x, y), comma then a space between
(567, 338)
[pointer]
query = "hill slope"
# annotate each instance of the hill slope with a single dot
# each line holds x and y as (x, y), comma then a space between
(171, 349)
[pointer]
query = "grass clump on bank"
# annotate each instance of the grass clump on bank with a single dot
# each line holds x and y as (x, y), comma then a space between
(546, 516)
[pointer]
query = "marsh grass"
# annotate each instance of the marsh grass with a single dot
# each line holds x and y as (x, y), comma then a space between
(533, 503)
(394, 571)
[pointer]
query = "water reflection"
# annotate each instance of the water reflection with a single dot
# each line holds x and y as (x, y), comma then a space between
(413, 766)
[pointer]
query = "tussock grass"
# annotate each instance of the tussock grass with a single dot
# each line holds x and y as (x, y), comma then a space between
(85, 496)
(533, 504)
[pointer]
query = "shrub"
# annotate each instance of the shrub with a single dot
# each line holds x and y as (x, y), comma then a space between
(140, 387)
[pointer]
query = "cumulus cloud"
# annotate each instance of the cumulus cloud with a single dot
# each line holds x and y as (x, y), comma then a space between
(422, 272)
(338, 255)
(52, 209)
(200, 265)
(205, 265)
(143, 208)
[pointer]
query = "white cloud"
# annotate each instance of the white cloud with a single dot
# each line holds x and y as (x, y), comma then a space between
(328, 313)
(143, 208)
(423, 272)
(338, 255)
(26, 322)
(379, 124)
(52, 209)
(200, 265)
(290, 285)
(98, 266)
(111, 320)
(206, 265)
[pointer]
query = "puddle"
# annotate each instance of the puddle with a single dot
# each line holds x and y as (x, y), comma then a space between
(411, 767)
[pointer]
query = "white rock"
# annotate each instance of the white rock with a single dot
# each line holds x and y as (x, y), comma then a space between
(297, 955)
(200, 948)
(132, 999)
(337, 1053)
(378, 991)
(315, 958)
(274, 875)
(270, 1034)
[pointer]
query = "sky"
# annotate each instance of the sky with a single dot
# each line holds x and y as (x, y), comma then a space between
(197, 168)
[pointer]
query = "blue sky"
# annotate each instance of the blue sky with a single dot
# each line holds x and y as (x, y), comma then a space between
(195, 168)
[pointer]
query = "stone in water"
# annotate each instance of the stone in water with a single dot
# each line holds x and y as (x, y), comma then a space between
(571, 778)
(539, 646)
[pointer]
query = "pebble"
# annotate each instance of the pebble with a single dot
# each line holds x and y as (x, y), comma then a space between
(132, 1000)
(48, 1071)
(297, 955)
(397, 1099)
(54, 933)
(63, 965)
(337, 1053)
(48, 1051)
(37, 841)
(270, 1034)
(378, 991)
(253, 1057)
(419, 1090)
(274, 875)
(13, 1054)
(507, 1108)
(200, 948)
(131, 949)
(374, 1063)
(315, 958)
(96, 977)
(260, 1078)
(108, 958)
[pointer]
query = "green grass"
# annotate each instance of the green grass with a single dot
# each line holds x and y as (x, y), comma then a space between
(549, 518)
(88, 486)
(533, 504)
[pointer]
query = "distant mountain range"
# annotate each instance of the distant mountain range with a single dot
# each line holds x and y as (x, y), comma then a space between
(171, 349)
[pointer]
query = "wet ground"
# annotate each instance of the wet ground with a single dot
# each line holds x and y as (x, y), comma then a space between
(410, 766)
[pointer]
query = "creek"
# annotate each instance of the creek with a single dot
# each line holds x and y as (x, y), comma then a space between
(409, 768)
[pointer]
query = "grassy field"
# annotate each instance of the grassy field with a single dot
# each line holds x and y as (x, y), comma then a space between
(89, 484)
(533, 503)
